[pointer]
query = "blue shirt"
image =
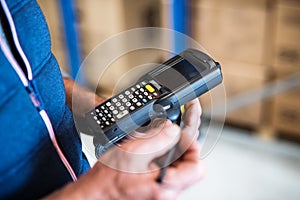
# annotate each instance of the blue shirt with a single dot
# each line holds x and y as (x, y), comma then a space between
(29, 164)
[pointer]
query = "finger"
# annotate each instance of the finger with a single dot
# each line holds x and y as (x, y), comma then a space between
(163, 138)
(191, 123)
(191, 154)
(192, 113)
(142, 152)
(189, 132)
(187, 171)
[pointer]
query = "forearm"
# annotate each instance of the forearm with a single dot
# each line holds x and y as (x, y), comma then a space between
(79, 99)
(89, 186)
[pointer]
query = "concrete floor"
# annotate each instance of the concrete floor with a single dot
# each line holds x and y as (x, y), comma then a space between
(241, 166)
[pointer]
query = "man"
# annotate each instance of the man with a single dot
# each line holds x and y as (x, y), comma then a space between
(30, 164)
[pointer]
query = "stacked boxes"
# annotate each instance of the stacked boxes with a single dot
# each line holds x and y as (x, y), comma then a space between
(100, 20)
(234, 33)
(240, 78)
(286, 113)
(286, 62)
(256, 41)
(287, 31)
(232, 29)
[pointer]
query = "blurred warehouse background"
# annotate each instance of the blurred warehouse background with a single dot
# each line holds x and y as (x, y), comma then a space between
(257, 43)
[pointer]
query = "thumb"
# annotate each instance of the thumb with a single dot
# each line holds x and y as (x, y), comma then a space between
(145, 150)
(137, 155)
(164, 137)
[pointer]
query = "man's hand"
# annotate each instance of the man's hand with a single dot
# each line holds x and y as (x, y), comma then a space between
(130, 171)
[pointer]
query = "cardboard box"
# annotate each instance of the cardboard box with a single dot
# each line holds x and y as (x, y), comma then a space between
(121, 73)
(97, 20)
(285, 107)
(100, 20)
(232, 29)
(286, 116)
(165, 9)
(287, 40)
(240, 78)
(238, 4)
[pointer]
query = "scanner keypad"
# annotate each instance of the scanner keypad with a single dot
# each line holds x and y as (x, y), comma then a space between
(119, 106)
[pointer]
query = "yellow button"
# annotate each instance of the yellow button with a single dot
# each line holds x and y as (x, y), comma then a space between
(150, 88)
